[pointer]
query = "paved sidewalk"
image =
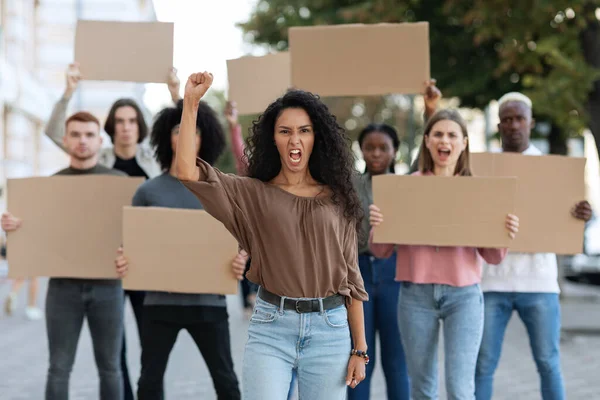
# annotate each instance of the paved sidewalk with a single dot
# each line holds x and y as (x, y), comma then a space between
(23, 359)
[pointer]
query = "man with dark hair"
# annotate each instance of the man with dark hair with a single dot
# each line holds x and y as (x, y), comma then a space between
(204, 316)
(125, 125)
(127, 130)
(130, 153)
(69, 301)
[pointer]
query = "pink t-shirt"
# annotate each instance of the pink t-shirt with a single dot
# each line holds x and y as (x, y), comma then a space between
(454, 266)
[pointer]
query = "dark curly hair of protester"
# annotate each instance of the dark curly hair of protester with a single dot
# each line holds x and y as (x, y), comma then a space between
(331, 162)
(211, 134)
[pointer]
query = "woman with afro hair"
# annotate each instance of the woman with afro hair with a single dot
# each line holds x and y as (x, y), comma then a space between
(296, 213)
(204, 316)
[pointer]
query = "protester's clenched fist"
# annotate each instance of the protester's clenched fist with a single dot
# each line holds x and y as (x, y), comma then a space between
(73, 76)
(197, 85)
(231, 113)
(238, 266)
(10, 222)
(173, 82)
(121, 263)
(431, 94)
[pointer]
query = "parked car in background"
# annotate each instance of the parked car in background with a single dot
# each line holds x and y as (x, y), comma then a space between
(585, 268)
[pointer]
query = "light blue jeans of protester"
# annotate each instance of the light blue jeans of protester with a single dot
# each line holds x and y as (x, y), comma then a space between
(540, 312)
(316, 345)
(421, 308)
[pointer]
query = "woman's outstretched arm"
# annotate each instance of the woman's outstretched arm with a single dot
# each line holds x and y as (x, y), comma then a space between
(185, 154)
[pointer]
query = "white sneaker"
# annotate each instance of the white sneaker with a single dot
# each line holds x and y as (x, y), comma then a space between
(10, 304)
(33, 313)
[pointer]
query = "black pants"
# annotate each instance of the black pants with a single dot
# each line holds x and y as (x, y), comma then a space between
(137, 303)
(208, 327)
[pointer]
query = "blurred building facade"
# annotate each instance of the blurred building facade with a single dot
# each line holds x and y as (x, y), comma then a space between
(36, 44)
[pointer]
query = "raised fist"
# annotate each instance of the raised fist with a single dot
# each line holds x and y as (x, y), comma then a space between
(197, 85)
(431, 94)
(73, 76)
(231, 113)
(173, 82)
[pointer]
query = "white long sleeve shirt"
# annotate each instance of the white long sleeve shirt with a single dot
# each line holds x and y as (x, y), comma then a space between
(523, 272)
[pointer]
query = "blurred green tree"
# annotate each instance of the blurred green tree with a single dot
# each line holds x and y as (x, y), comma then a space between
(217, 100)
(480, 49)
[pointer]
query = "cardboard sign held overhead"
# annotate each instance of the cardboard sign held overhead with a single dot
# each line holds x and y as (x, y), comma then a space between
(190, 253)
(360, 60)
(442, 211)
(71, 225)
(124, 51)
(255, 82)
(549, 186)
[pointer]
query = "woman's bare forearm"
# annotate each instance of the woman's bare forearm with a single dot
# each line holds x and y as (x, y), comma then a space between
(356, 319)
(185, 155)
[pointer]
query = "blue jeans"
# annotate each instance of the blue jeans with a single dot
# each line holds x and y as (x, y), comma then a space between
(293, 383)
(381, 316)
(68, 302)
(314, 344)
(540, 312)
(420, 309)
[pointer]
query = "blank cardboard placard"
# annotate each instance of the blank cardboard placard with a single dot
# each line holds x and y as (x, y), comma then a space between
(175, 250)
(255, 82)
(548, 187)
(124, 51)
(360, 60)
(71, 225)
(444, 211)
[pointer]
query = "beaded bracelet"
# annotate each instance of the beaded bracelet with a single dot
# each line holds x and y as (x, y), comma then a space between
(360, 353)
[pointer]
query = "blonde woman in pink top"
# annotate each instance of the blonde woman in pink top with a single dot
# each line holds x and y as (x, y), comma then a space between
(441, 283)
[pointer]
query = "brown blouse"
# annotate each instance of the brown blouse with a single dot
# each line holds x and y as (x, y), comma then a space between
(300, 246)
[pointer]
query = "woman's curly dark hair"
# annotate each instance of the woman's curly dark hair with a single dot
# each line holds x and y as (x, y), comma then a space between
(211, 132)
(331, 162)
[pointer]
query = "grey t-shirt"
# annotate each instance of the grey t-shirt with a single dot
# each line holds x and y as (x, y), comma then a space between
(166, 191)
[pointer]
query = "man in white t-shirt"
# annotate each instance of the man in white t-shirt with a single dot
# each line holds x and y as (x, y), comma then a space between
(525, 283)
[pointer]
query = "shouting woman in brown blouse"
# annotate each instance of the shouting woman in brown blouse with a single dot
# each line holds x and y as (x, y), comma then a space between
(296, 214)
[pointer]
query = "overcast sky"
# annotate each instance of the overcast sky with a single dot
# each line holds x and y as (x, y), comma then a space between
(205, 37)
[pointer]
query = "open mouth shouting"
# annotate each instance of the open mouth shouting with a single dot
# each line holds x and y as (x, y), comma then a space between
(444, 154)
(295, 156)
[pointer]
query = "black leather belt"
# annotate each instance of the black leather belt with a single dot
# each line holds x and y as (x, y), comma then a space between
(302, 306)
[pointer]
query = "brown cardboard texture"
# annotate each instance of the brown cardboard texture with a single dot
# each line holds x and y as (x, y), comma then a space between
(71, 225)
(360, 60)
(255, 82)
(444, 211)
(548, 187)
(175, 250)
(124, 51)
